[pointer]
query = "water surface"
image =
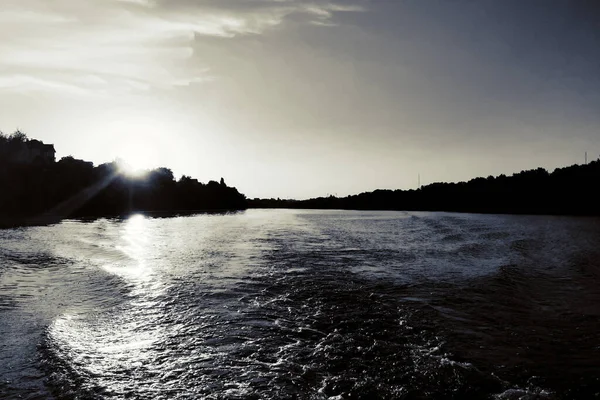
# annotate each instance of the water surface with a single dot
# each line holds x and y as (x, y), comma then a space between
(287, 304)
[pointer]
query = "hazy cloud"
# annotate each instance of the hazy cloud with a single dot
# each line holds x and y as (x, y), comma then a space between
(107, 46)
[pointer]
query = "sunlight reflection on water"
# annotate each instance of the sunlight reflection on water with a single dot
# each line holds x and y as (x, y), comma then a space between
(136, 240)
(122, 340)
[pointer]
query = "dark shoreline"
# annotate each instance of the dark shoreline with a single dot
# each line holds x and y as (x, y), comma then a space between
(572, 190)
(43, 191)
(12, 223)
(492, 212)
(20, 222)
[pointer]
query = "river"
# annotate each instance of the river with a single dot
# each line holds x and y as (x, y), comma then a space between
(293, 304)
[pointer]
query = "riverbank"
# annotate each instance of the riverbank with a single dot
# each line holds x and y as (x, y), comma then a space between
(570, 190)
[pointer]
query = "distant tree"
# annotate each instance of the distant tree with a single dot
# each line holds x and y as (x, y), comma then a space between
(18, 136)
(164, 173)
(186, 180)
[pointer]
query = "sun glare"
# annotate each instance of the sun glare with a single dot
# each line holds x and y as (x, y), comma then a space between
(135, 161)
(129, 169)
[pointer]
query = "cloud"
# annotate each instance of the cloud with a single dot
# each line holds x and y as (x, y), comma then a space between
(110, 46)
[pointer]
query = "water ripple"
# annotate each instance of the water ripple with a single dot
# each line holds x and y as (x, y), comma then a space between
(301, 304)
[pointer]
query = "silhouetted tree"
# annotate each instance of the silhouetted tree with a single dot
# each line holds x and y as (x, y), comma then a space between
(72, 187)
(18, 136)
(569, 190)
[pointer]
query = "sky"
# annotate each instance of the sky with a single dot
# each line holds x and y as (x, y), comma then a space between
(298, 99)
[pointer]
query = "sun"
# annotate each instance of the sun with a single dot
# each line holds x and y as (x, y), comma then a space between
(128, 169)
(135, 161)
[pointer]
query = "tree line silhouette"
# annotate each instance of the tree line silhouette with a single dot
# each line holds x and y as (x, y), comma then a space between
(572, 190)
(34, 188)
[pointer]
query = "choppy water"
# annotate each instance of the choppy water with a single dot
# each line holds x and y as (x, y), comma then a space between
(287, 304)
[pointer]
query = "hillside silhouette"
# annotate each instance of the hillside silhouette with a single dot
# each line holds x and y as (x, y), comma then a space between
(35, 188)
(572, 190)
